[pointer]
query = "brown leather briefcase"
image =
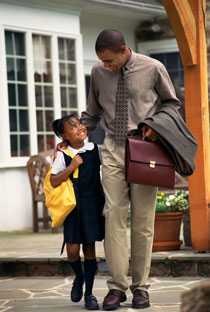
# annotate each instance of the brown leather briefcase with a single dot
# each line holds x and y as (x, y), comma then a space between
(148, 163)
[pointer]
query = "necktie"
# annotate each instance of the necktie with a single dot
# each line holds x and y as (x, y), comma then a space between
(121, 111)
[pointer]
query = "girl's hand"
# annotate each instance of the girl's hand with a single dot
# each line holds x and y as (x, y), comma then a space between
(76, 162)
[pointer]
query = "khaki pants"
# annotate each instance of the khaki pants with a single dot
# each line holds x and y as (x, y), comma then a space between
(119, 196)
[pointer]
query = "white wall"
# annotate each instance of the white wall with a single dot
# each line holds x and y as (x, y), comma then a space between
(91, 27)
(15, 192)
(15, 200)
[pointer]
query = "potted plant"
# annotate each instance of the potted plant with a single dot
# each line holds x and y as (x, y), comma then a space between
(168, 219)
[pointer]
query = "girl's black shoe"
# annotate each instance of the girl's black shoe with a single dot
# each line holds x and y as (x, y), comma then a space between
(77, 290)
(91, 302)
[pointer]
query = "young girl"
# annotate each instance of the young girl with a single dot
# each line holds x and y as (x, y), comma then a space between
(85, 224)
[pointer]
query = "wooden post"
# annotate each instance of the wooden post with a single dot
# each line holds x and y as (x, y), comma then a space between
(188, 22)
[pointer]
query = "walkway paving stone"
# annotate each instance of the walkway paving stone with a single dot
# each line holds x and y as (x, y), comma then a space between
(51, 294)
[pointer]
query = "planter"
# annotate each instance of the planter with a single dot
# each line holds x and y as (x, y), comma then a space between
(167, 231)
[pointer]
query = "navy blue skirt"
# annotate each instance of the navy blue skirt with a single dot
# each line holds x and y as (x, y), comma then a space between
(85, 224)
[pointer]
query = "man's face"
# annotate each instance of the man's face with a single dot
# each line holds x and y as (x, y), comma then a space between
(112, 60)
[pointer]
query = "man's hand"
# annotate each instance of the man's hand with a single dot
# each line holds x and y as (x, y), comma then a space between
(149, 133)
(59, 147)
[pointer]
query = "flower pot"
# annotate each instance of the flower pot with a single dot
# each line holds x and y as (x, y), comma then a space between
(167, 231)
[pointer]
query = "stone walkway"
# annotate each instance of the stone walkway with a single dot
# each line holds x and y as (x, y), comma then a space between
(43, 294)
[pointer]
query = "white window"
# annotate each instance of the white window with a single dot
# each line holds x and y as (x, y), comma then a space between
(43, 91)
(17, 93)
(42, 84)
(67, 70)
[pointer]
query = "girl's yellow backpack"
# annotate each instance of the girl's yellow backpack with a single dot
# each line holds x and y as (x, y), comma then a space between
(60, 200)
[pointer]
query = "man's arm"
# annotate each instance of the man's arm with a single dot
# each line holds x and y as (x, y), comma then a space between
(164, 87)
(91, 116)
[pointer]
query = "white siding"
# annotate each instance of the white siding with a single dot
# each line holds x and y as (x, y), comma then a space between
(90, 28)
(15, 192)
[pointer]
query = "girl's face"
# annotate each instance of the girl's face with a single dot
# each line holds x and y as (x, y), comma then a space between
(74, 132)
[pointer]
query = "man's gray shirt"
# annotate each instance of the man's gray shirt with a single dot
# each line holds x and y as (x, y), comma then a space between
(148, 85)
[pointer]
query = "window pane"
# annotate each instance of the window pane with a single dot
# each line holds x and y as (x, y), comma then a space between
(38, 94)
(73, 97)
(67, 112)
(21, 70)
(63, 97)
(62, 73)
(71, 75)
(159, 56)
(38, 70)
(70, 49)
(14, 145)
(24, 145)
(13, 119)
(39, 120)
(40, 143)
(10, 69)
(23, 118)
(49, 117)
(61, 49)
(172, 61)
(22, 95)
(48, 91)
(9, 42)
(47, 73)
(19, 44)
(41, 47)
(45, 45)
(50, 141)
(11, 94)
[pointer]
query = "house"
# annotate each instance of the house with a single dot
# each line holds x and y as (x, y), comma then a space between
(46, 55)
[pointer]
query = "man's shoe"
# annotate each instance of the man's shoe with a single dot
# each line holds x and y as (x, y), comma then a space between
(113, 299)
(140, 299)
(91, 302)
(77, 290)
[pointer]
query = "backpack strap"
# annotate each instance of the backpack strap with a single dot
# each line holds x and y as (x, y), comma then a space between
(71, 154)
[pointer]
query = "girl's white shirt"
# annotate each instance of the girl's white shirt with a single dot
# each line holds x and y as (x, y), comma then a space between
(59, 162)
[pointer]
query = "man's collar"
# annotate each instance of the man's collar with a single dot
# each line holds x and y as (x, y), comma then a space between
(129, 64)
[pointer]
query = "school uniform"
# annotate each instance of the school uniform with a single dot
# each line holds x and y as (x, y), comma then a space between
(85, 224)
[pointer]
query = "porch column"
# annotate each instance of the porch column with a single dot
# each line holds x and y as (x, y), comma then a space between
(188, 22)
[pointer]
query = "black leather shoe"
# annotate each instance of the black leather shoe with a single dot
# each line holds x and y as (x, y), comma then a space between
(91, 302)
(113, 299)
(77, 290)
(140, 299)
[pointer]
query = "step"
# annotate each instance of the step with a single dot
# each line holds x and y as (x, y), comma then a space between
(163, 265)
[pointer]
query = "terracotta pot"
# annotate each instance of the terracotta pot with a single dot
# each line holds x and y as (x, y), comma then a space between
(167, 231)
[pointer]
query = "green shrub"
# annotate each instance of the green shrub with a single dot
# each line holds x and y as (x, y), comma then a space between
(167, 202)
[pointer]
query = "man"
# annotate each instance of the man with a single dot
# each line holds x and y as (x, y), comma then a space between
(125, 88)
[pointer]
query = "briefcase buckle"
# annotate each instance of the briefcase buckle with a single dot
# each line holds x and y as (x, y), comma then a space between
(152, 163)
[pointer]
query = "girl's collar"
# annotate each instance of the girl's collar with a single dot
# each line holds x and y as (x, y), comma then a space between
(88, 146)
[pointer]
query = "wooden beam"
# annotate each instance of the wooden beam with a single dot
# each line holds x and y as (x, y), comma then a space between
(184, 26)
(197, 111)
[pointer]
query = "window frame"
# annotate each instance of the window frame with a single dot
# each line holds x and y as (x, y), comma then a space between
(6, 160)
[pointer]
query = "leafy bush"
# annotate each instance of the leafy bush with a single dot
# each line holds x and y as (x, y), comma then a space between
(178, 201)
